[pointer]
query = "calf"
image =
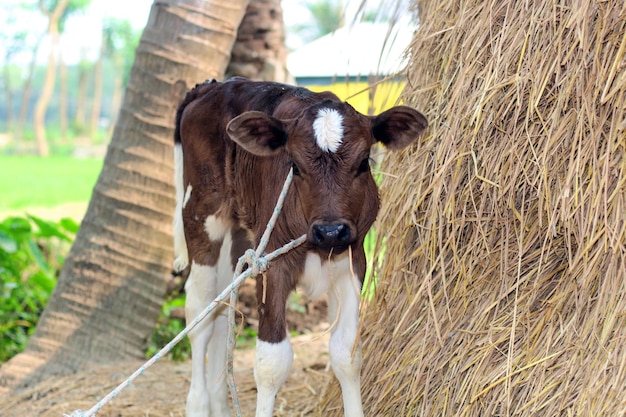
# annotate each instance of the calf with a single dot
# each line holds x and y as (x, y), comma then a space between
(234, 145)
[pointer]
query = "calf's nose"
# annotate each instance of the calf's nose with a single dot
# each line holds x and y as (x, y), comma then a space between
(331, 235)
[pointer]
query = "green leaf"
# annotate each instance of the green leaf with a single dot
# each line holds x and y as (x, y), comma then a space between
(16, 226)
(69, 225)
(43, 281)
(48, 229)
(39, 257)
(177, 302)
(7, 244)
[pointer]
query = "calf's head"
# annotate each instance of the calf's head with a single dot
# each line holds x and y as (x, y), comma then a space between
(328, 146)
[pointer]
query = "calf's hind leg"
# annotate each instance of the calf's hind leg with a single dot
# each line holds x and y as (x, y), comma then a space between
(200, 289)
(211, 271)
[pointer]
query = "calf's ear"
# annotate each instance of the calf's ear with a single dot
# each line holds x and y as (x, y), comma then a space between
(257, 132)
(398, 127)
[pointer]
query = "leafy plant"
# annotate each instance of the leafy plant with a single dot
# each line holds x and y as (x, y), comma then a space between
(32, 251)
(167, 328)
(169, 325)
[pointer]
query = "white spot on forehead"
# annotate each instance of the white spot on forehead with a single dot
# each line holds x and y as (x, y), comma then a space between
(328, 127)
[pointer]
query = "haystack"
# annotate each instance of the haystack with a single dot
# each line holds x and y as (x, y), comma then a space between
(503, 278)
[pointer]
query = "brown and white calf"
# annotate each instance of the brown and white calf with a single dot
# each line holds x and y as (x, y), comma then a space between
(234, 145)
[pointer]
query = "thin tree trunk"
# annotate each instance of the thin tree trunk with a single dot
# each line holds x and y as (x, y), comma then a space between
(26, 90)
(63, 98)
(110, 290)
(6, 75)
(39, 116)
(259, 52)
(97, 93)
(81, 98)
(48, 86)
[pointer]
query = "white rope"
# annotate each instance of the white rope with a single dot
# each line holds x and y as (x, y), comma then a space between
(257, 264)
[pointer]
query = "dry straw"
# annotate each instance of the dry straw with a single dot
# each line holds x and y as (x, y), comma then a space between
(504, 289)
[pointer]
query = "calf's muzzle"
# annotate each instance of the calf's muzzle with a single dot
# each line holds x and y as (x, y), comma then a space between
(335, 236)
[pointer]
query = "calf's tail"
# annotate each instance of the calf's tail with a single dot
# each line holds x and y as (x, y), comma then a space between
(181, 254)
(180, 245)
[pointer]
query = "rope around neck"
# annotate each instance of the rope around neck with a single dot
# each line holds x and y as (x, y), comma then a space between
(257, 264)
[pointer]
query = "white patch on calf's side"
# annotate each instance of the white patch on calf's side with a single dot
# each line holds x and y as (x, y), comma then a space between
(180, 245)
(328, 128)
(216, 228)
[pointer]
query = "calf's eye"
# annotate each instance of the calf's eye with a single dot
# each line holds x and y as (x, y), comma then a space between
(365, 165)
(296, 170)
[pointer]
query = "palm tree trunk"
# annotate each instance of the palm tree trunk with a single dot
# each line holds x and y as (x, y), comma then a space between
(259, 52)
(115, 100)
(110, 290)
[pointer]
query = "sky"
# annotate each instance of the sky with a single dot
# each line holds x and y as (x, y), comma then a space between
(82, 33)
(83, 30)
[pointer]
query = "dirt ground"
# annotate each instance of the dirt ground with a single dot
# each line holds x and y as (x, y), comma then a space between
(162, 390)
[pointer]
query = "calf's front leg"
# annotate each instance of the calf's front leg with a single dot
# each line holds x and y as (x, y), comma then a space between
(274, 354)
(345, 347)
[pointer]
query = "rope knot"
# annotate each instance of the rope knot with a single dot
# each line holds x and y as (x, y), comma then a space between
(258, 264)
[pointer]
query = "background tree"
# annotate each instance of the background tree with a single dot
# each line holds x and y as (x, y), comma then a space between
(63, 118)
(57, 12)
(27, 87)
(13, 42)
(120, 41)
(84, 67)
(326, 17)
(110, 290)
(53, 11)
(96, 100)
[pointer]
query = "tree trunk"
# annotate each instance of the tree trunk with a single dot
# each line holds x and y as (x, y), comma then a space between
(48, 86)
(110, 290)
(62, 98)
(259, 52)
(97, 92)
(26, 90)
(6, 74)
(81, 101)
(115, 100)
(39, 117)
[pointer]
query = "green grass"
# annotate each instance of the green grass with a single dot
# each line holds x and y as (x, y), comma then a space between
(30, 181)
